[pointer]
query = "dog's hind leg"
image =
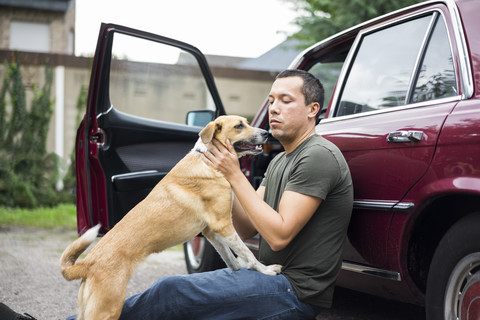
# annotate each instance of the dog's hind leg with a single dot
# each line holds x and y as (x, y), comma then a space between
(105, 298)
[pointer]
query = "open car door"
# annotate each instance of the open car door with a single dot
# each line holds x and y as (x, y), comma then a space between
(149, 97)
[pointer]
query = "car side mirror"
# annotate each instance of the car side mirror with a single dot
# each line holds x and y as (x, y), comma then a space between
(200, 118)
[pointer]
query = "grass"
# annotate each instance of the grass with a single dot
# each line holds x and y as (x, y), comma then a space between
(63, 215)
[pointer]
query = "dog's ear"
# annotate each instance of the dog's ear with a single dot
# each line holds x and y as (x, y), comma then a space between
(209, 131)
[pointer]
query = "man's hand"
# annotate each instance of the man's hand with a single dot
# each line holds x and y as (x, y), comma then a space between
(222, 158)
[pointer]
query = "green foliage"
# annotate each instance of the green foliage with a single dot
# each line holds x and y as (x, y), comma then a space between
(320, 19)
(28, 173)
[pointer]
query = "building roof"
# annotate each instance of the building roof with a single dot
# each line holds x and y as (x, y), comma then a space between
(50, 5)
(276, 59)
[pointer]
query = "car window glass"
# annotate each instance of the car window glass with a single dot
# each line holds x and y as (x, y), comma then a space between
(155, 81)
(381, 70)
(437, 74)
(328, 74)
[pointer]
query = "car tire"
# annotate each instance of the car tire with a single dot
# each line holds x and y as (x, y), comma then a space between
(201, 256)
(453, 284)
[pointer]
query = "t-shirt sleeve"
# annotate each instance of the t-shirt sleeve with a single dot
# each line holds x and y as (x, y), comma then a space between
(315, 174)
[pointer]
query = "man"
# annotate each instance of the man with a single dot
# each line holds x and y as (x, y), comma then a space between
(301, 211)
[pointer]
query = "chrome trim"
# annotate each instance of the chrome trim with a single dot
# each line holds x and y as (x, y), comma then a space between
(405, 136)
(404, 206)
(383, 205)
(392, 109)
(374, 205)
(376, 272)
(420, 57)
(104, 113)
(132, 174)
(465, 67)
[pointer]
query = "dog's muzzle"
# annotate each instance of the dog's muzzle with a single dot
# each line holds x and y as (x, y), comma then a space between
(253, 147)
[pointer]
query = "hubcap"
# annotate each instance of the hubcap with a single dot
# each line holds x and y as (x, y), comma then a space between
(462, 297)
(195, 248)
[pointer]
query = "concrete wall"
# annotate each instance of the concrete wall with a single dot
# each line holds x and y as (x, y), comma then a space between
(242, 91)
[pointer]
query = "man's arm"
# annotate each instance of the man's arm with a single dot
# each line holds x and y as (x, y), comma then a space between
(277, 228)
(241, 222)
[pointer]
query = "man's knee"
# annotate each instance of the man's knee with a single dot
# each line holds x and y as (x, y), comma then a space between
(169, 285)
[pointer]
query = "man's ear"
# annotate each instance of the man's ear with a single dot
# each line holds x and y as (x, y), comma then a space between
(314, 109)
(209, 131)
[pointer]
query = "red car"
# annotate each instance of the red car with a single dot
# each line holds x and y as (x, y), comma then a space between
(403, 106)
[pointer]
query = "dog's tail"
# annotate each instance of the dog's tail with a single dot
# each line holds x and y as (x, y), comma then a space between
(69, 269)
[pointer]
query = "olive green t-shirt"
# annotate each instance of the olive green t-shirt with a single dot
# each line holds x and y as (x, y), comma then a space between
(312, 260)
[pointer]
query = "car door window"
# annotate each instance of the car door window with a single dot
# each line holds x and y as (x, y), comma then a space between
(437, 75)
(384, 67)
(156, 81)
(328, 73)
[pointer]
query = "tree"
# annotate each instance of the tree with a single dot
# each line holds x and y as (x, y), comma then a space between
(320, 19)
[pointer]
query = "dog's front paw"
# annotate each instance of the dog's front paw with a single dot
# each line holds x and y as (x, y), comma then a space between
(273, 269)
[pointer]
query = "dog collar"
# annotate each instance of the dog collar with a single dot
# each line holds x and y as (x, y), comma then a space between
(199, 146)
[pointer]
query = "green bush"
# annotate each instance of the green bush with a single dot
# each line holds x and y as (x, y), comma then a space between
(28, 173)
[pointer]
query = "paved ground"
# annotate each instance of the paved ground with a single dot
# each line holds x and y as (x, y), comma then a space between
(30, 280)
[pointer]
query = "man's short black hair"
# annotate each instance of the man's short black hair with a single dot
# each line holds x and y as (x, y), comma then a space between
(312, 88)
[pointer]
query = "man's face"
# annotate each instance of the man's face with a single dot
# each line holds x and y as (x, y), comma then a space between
(288, 114)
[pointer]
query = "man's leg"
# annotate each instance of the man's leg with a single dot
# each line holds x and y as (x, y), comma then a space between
(220, 294)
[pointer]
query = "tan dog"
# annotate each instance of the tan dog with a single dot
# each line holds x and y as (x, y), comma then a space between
(192, 198)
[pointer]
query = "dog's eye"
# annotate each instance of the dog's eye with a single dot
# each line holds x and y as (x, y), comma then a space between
(239, 126)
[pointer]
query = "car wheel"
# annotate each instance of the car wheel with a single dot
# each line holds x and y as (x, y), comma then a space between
(201, 256)
(453, 285)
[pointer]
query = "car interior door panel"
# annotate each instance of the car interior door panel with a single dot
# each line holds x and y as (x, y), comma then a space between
(142, 91)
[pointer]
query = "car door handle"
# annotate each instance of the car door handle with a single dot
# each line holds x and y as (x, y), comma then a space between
(405, 136)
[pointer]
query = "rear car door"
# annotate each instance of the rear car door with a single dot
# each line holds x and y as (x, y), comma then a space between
(398, 85)
(143, 91)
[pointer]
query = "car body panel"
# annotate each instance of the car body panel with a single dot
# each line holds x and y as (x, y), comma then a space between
(375, 165)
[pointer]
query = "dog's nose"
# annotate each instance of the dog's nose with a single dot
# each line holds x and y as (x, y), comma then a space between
(264, 134)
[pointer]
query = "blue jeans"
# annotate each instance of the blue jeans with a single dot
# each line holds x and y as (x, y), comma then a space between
(219, 294)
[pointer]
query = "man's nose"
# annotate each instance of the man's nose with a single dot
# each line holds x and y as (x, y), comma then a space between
(273, 108)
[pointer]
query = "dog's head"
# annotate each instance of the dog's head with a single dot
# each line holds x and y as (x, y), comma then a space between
(244, 138)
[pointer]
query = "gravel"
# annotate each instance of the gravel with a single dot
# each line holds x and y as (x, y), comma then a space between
(30, 278)
(31, 282)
